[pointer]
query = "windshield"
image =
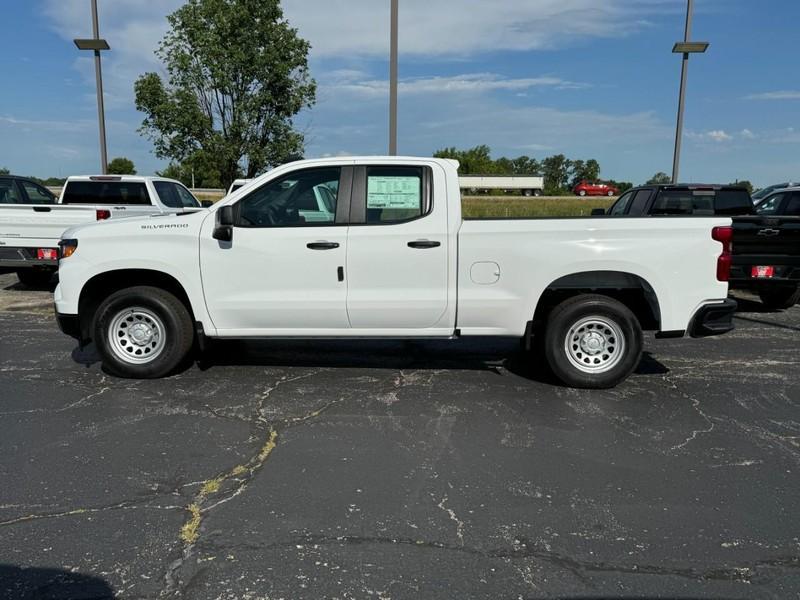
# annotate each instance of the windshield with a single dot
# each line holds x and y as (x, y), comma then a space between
(763, 193)
(174, 195)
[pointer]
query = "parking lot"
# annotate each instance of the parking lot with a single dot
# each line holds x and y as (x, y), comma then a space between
(398, 470)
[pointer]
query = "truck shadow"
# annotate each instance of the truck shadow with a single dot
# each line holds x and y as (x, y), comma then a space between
(491, 355)
(27, 583)
(488, 354)
(747, 305)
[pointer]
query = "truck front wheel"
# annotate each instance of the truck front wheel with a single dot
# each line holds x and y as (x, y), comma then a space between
(592, 341)
(143, 333)
(780, 297)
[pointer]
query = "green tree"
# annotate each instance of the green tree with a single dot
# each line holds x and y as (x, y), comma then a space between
(4, 171)
(206, 175)
(475, 161)
(525, 165)
(622, 186)
(744, 183)
(121, 166)
(659, 177)
(556, 170)
(588, 170)
(237, 74)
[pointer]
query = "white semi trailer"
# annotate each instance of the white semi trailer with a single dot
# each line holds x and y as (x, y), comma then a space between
(529, 185)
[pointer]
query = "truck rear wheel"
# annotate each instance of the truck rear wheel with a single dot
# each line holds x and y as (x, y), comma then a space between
(780, 297)
(143, 333)
(592, 341)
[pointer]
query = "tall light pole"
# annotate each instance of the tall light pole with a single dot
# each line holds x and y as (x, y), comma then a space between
(97, 45)
(393, 60)
(686, 48)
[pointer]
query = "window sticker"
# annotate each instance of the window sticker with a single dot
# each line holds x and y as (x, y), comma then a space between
(394, 192)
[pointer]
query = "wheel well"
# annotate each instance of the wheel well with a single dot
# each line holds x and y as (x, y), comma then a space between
(101, 286)
(631, 290)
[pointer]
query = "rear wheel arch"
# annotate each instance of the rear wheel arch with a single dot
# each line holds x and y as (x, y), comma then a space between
(631, 290)
(101, 286)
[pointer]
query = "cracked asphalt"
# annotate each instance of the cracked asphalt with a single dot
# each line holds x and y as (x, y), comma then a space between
(398, 470)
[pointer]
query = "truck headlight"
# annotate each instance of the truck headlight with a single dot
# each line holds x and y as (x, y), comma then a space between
(67, 248)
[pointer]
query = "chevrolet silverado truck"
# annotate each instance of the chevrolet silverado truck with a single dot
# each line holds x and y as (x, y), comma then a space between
(395, 259)
(29, 232)
(766, 239)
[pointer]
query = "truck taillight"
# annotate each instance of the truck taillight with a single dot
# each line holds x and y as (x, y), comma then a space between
(103, 214)
(47, 253)
(724, 235)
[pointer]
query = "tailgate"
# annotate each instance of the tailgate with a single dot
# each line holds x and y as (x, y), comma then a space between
(30, 224)
(766, 241)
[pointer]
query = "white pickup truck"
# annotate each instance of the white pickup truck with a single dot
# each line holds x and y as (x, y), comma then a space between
(394, 259)
(29, 233)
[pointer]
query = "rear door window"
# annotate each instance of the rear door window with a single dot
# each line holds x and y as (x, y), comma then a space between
(793, 205)
(639, 204)
(174, 195)
(8, 192)
(37, 194)
(395, 194)
(106, 192)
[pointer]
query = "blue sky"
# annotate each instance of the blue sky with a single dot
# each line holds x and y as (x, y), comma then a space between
(587, 78)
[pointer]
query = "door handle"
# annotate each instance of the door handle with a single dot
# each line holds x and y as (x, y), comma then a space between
(322, 245)
(423, 244)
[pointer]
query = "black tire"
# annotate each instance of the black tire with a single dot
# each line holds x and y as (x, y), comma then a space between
(608, 327)
(36, 278)
(527, 193)
(154, 310)
(780, 297)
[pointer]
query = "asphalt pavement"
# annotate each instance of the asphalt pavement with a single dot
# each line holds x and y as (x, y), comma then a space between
(398, 470)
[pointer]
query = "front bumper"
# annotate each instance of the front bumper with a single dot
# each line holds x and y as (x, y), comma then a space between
(70, 325)
(713, 319)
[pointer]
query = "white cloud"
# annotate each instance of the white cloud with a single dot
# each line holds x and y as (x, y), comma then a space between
(53, 126)
(779, 95)
(714, 135)
(469, 83)
(747, 134)
(718, 135)
(437, 28)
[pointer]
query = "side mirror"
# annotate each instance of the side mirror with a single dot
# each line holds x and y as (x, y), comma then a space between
(224, 227)
(598, 212)
(206, 203)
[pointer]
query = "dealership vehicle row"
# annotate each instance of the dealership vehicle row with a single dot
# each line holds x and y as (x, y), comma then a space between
(377, 247)
(30, 229)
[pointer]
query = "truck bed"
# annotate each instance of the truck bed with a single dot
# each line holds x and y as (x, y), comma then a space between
(544, 250)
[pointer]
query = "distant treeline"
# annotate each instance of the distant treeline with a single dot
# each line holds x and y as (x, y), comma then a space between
(49, 182)
(560, 173)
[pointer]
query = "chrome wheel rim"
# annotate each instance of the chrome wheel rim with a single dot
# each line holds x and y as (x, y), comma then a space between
(136, 335)
(595, 344)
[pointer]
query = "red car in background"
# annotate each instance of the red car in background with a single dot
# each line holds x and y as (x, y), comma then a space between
(585, 188)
